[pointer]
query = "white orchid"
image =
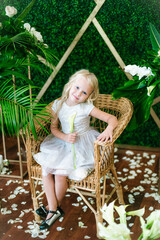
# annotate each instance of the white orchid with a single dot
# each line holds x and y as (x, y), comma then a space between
(132, 69)
(10, 11)
(139, 71)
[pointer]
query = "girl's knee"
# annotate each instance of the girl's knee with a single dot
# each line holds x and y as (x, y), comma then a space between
(60, 178)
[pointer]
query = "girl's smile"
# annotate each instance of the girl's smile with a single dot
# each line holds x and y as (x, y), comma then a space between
(79, 92)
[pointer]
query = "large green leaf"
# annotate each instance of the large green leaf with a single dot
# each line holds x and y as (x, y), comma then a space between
(20, 112)
(155, 37)
(141, 103)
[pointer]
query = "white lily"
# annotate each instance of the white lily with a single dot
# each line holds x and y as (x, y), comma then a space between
(155, 230)
(107, 212)
(122, 213)
(71, 124)
(145, 231)
(152, 217)
(150, 89)
(114, 231)
(139, 212)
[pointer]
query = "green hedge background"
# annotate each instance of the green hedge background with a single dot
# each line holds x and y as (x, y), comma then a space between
(126, 22)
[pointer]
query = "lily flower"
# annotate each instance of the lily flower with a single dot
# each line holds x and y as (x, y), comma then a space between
(114, 231)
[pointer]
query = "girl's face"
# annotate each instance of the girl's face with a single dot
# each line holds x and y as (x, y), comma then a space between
(79, 92)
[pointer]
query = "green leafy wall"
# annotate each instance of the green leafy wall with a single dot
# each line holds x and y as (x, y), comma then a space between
(126, 22)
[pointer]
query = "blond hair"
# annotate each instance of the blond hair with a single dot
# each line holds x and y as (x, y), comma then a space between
(92, 81)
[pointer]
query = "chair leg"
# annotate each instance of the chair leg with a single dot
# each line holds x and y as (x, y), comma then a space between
(34, 199)
(119, 189)
(120, 195)
(35, 206)
(99, 219)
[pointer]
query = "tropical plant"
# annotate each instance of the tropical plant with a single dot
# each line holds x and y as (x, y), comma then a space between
(142, 89)
(117, 231)
(21, 47)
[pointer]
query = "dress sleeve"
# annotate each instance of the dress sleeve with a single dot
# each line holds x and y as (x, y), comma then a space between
(88, 108)
(55, 105)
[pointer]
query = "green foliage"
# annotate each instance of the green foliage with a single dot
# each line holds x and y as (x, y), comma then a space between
(20, 111)
(155, 37)
(126, 22)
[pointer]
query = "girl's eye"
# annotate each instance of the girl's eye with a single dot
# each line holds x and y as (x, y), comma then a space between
(77, 87)
(85, 93)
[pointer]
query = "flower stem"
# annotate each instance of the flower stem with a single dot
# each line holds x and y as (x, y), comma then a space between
(140, 237)
(74, 156)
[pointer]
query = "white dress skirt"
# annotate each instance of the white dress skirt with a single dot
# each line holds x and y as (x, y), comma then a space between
(57, 156)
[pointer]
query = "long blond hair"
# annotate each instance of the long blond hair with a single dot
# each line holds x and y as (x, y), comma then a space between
(92, 81)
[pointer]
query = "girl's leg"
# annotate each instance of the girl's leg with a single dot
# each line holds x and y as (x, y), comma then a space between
(49, 188)
(60, 187)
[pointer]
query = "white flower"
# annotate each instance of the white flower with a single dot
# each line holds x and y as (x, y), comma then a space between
(27, 26)
(10, 11)
(114, 231)
(153, 216)
(32, 30)
(143, 71)
(107, 212)
(132, 69)
(38, 36)
(122, 213)
(150, 89)
(158, 53)
(139, 71)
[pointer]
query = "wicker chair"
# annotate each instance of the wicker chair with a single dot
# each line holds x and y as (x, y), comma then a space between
(95, 184)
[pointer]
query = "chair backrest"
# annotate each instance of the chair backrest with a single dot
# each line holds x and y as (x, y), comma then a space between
(122, 108)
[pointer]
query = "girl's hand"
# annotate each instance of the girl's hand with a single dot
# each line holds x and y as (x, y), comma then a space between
(70, 137)
(106, 135)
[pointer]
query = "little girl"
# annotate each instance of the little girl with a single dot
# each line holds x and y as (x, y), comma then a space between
(67, 153)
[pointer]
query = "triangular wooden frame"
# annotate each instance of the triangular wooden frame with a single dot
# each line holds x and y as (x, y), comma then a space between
(90, 19)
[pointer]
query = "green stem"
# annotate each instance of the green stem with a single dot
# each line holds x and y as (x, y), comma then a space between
(74, 156)
(140, 237)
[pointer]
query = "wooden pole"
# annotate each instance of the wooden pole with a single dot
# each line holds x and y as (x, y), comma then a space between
(70, 48)
(110, 46)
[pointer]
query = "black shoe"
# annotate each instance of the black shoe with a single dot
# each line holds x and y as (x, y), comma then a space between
(42, 212)
(56, 215)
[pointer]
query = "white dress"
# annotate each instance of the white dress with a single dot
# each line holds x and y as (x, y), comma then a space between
(56, 156)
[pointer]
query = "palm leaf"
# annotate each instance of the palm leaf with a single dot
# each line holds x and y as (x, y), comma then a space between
(18, 113)
(25, 12)
(155, 37)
